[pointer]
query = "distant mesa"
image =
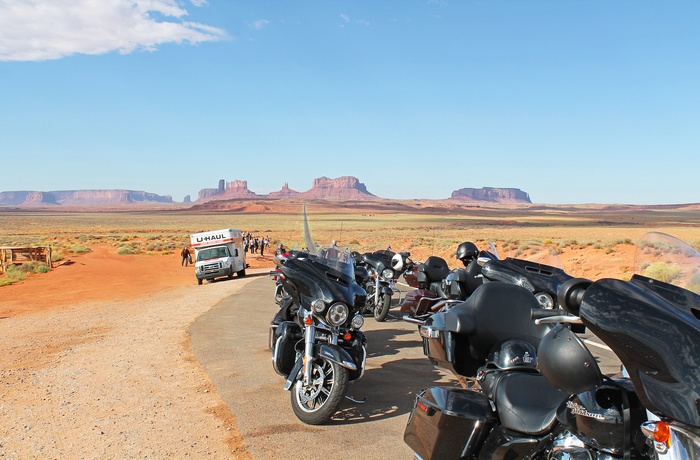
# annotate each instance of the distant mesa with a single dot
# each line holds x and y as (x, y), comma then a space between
(346, 187)
(80, 198)
(491, 195)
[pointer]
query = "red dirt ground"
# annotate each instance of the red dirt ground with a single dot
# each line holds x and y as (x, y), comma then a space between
(101, 274)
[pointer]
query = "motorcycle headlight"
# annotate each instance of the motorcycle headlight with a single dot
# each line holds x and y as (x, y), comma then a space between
(318, 306)
(337, 314)
(357, 322)
(388, 273)
(545, 300)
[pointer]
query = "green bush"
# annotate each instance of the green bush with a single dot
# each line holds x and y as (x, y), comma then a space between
(663, 272)
(125, 250)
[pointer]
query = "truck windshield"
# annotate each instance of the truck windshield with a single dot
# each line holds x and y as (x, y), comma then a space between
(213, 253)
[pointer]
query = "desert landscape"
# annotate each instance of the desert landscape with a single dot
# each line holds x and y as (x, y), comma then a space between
(96, 361)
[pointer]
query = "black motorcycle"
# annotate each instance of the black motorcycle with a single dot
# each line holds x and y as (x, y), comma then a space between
(570, 410)
(315, 337)
(383, 269)
(438, 287)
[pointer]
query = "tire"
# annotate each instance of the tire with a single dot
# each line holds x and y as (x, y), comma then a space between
(382, 310)
(241, 273)
(199, 281)
(230, 275)
(316, 404)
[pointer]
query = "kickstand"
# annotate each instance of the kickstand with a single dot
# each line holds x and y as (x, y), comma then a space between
(358, 401)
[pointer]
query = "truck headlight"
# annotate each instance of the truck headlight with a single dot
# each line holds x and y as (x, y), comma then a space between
(337, 314)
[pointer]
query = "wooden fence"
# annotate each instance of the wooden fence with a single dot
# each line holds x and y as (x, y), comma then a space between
(22, 255)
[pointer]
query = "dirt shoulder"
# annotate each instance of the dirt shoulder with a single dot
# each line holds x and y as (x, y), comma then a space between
(95, 362)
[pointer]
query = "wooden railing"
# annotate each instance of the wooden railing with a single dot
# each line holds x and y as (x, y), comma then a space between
(21, 255)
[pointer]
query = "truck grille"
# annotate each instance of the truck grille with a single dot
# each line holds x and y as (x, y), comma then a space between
(212, 267)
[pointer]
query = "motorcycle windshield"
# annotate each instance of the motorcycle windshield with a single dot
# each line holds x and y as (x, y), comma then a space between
(329, 275)
(652, 323)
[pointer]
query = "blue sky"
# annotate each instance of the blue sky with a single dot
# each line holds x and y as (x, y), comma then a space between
(570, 101)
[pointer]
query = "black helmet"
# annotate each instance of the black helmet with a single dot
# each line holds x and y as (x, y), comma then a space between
(467, 251)
(513, 354)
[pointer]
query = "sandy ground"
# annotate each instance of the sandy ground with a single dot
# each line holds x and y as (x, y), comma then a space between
(95, 362)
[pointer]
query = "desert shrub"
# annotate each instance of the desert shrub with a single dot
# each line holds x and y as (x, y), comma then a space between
(355, 242)
(77, 249)
(42, 268)
(597, 246)
(56, 255)
(608, 250)
(122, 250)
(663, 272)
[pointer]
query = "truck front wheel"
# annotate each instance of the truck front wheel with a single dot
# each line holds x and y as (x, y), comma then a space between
(241, 273)
(199, 281)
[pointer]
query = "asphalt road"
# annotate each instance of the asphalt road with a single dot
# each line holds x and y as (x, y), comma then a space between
(231, 343)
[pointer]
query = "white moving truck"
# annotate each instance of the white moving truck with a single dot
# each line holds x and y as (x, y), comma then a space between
(218, 253)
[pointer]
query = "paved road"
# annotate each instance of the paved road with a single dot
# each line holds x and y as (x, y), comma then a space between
(231, 342)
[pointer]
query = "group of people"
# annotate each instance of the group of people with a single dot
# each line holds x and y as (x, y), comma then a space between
(255, 244)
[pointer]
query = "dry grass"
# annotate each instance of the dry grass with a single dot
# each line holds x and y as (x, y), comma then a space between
(518, 232)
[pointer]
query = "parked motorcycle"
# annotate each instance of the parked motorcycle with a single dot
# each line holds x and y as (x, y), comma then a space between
(383, 269)
(437, 286)
(570, 410)
(315, 337)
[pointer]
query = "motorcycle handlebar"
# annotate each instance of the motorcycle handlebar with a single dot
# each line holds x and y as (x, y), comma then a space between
(539, 313)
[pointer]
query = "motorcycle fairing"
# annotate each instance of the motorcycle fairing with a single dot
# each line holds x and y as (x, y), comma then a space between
(494, 312)
(531, 275)
(654, 328)
(307, 279)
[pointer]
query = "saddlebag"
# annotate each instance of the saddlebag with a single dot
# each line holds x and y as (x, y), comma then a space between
(448, 423)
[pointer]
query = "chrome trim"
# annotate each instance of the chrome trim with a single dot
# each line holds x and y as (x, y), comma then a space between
(411, 319)
(275, 354)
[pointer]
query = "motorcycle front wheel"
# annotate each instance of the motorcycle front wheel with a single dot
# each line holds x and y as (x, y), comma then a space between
(382, 310)
(316, 403)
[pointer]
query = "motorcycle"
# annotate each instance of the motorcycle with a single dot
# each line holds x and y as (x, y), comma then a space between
(439, 287)
(383, 269)
(315, 337)
(281, 256)
(569, 409)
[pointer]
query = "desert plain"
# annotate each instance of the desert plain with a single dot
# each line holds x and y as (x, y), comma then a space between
(95, 358)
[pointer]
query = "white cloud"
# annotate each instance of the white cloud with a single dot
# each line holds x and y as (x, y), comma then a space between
(199, 2)
(260, 23)
(38, 30)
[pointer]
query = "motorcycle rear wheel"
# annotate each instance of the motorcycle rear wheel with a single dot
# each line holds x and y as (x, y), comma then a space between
(382, 310)
(316, 403)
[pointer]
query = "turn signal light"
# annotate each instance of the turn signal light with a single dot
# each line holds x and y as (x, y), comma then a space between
(662, 433)
(347, 337)
(308, 321)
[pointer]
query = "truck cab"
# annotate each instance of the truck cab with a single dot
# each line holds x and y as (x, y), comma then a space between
(218, 253)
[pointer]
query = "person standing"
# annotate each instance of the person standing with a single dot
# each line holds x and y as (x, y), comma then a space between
(185, 253)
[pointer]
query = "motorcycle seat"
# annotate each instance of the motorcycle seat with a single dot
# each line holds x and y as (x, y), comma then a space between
(527, 402)
(435, 269)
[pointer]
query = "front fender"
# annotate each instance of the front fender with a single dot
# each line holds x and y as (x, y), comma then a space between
(335, 354)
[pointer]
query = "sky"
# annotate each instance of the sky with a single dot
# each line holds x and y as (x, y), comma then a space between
(570, 101)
